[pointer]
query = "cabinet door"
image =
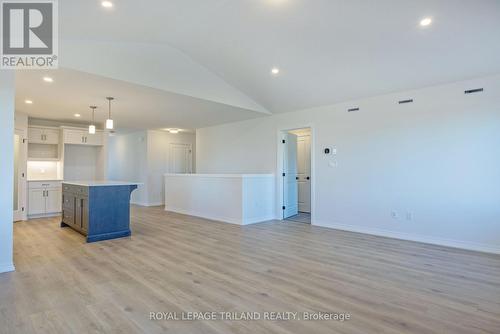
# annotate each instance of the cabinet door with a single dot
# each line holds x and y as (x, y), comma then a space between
(51, 136)
(95, 139)
(36, 201)
(85, 214)
(35, 136)
(74, 137)
(54, 200)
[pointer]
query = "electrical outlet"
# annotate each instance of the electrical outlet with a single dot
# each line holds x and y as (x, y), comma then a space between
(409, 215)
(394, 215)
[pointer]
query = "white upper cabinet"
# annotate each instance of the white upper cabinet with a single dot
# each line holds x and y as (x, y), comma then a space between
(82, 137)
(95, 139)
(51, 136)
(42, 135)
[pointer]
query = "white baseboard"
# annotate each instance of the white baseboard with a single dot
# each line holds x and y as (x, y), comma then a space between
(229, 220)
(5, 268)
(146, 204)
(257, 220)
(485, 248)
(45, 215)
(204, 215)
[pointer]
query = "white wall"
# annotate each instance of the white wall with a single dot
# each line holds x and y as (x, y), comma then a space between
(6, 168)
(437, 159)
(127, 161)
(143, 157)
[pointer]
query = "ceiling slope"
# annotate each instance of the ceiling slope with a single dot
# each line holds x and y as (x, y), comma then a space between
(153, 65)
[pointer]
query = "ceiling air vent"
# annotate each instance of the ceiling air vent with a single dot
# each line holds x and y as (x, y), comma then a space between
(406, 101)
(352, 109)
(472, 91)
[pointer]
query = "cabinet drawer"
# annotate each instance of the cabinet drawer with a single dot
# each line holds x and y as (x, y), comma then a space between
(44, 184)
(76, 190)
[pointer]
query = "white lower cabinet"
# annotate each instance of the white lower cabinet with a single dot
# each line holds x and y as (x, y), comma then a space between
(36, 202)
(44, 198)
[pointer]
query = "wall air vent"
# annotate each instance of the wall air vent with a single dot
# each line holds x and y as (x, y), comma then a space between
(472, 91)
(406, 101)
(352, 109)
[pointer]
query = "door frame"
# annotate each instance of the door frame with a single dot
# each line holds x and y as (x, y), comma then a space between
(170, 156)
(279, 168)
(22, 215)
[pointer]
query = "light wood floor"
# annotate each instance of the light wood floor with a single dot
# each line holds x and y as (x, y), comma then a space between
(175, 263)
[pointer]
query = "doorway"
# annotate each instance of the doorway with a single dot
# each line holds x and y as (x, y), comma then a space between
(297, 175)
(181, 159)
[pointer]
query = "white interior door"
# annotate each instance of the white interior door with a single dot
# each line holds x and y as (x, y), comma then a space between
(181, 159)
(304, 172)
(19, 176)
(290, 186)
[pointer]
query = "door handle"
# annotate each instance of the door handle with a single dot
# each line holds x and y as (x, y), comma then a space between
(297, 178)
(308, 178)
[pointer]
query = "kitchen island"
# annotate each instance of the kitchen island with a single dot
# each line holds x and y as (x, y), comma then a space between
(100, 210)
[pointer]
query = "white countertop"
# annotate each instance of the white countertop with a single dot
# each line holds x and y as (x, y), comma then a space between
(46, 180)
(222, 175)
(102, 183)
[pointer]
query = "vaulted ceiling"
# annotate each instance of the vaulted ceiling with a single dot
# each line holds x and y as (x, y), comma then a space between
(219, 53)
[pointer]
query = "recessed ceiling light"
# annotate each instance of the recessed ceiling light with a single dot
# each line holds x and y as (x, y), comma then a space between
(107, 4)
(426, 22)
(28, 101)
(48, 79)
(77, 115)
(275, 71)
(173, 131)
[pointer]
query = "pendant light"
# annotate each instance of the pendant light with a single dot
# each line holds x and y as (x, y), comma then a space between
(92, 125)
(109, 121)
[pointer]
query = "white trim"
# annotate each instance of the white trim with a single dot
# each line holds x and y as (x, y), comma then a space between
(235, 221)
(279, 168)
(147, 204)
(44, 215)
(259, 220)
(6, 268)
(412, 237)
(239, 176)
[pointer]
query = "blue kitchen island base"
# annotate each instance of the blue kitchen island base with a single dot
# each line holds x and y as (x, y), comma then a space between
(100, 210)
